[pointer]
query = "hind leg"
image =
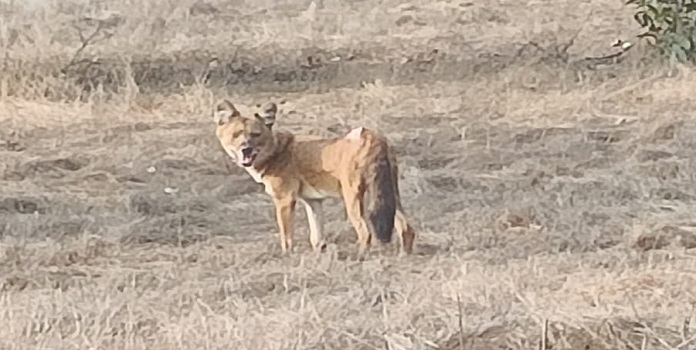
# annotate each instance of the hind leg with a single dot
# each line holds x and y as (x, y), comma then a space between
(406, 233)
(352, 197)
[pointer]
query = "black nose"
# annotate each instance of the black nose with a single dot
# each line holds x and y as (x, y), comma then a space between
(246, 152)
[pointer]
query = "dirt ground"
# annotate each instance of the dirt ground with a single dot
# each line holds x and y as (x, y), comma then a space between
(552, 189)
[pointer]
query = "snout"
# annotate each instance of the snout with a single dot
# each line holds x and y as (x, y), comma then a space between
(248, 156)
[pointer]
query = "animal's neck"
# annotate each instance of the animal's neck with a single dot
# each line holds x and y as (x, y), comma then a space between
(281, 143)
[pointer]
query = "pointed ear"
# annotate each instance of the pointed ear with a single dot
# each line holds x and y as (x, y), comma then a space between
(268, 114)
(224, 112)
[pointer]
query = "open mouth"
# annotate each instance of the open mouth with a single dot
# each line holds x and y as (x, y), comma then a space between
(248, 156)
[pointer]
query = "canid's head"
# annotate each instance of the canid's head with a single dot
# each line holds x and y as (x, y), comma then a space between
(247, 140)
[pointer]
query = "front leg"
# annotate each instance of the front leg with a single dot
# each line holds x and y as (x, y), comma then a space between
(315, 218)
(285, 211)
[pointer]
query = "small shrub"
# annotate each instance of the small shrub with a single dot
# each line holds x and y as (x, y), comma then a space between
(671, 24)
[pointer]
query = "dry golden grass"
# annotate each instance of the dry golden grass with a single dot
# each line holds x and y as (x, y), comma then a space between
(549, 192)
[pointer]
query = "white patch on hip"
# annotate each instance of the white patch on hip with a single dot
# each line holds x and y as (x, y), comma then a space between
(355, 133)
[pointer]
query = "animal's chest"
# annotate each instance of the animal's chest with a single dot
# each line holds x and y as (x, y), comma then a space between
(258, 177)
(254, 174)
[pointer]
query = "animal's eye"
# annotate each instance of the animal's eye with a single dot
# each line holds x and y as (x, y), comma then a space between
(254, 134)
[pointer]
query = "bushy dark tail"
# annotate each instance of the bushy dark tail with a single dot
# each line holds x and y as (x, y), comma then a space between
(380, 199)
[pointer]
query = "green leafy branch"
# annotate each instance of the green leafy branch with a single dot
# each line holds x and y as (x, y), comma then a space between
(670, 26)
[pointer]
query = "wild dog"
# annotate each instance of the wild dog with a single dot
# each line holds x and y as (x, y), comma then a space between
(359, 167)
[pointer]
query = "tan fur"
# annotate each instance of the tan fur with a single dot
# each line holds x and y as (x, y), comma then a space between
(358, 167)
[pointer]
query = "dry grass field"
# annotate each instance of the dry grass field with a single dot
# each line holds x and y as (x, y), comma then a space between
(553, 191)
